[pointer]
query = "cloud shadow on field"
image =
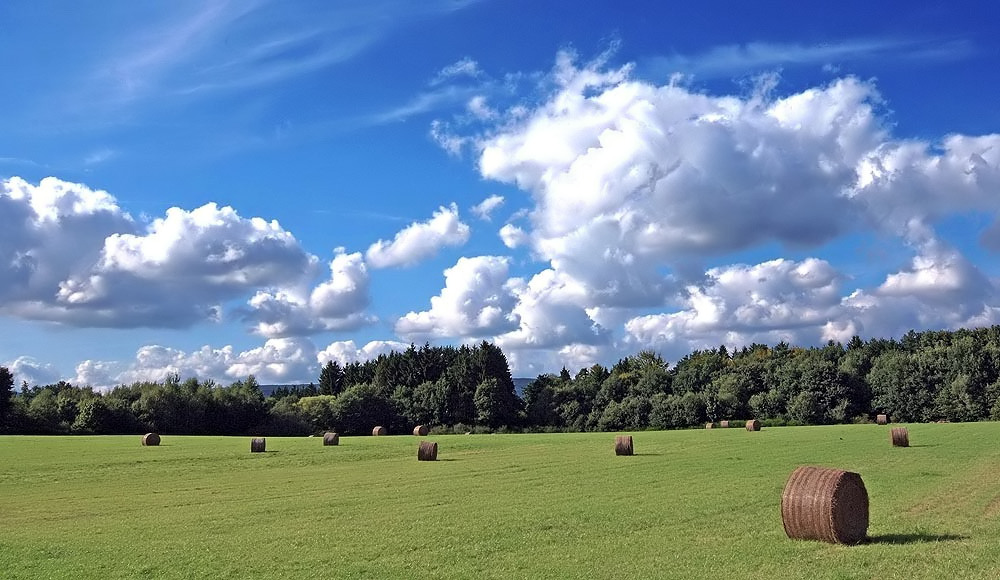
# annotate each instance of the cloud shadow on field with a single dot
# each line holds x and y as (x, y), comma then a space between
(918, 538)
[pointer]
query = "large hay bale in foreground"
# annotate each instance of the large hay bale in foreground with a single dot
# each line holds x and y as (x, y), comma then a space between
(830, 505)
(623, 445)
(421, 430)
(724, 424)
(900, 437)
(709, 425)
(257, 445)
(753, 425)
(881, 419)
(428, 451)
(150, 439)
(330, 438)
(380, 430)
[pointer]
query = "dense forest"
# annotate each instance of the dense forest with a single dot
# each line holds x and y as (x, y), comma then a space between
(924, 376)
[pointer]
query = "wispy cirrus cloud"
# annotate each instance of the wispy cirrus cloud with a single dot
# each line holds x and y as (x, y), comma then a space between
(740, 58)
(224, 45)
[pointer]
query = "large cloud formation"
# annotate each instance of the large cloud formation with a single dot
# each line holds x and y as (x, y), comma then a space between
(634, 185)
(69, 254)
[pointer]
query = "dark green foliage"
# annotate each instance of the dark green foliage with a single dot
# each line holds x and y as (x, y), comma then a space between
(331, 379)
(922, 377)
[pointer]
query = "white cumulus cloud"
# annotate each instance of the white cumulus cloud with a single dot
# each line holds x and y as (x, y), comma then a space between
(420, 240)
(336, 304)
(345, 351)
(486, 207)
(476, 301)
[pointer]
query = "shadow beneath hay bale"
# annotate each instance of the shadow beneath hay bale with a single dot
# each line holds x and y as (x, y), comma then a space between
(448, 459)
(926, 445)
(647, 454)
(913, 538)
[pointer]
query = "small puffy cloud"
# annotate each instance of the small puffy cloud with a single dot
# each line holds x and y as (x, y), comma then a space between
(466, 67)
(26, 368)
(478, 107)
(513, 236)
(347, 352)
(533, 362)
(476, 301)
(483, 209)
(420, 240)
(337, 304)
(96, 374)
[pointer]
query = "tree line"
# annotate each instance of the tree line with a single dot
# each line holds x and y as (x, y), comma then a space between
(924, 376)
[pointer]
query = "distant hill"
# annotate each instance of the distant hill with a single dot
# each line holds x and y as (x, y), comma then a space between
(519, 384)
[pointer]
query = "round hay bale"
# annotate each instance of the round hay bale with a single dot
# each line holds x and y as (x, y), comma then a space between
(257, 445)
(900, 437)
(330, 438)
(428, 451)
(753, 425)
(623, 445)
(150, 439)
(724, 424)
(709, 425)
(421, 430)
(882, 419)
(830, 505)
(380, 430)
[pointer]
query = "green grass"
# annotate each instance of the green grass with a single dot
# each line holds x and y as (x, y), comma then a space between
(690, 504)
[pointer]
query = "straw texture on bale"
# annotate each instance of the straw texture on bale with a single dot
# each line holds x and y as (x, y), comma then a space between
(428, 451)
(829, 505)
(257, 445)
(753, 425)
(150, 439)
(900, 437)
(380, 430)
(330, 438)
(709, 425)
(724, 424)
(623, 445)
(881, 419)
(421, 430)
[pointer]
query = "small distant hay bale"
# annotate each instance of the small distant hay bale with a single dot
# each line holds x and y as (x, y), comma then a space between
(151, 439)
(623, 445)
(900, 437)
(257, 445)
(428, 451)
(724, 424)
(380, 430)
(829, 505)
(881, 419)
(330, 438)
(709, 425)
(753, 425)
(421, 430)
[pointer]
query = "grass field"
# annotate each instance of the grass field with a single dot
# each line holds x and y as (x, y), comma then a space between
(689, 504)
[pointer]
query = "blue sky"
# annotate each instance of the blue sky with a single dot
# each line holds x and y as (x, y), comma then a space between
(222, 188)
